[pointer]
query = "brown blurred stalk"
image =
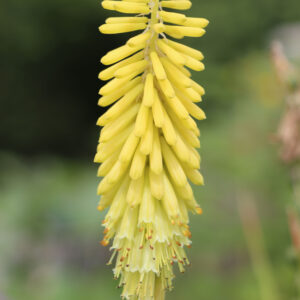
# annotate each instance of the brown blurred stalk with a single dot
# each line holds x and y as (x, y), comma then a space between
(294, 229)
(288, 137)
(255, 241)
(2, 297)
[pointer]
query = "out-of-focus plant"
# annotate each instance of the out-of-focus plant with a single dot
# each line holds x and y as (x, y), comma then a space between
(289, 129)
(255, 241)
(288, 137)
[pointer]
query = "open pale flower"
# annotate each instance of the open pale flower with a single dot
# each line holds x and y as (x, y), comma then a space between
(147, 146)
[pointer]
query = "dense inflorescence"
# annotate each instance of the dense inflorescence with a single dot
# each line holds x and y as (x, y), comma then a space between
(147, 146)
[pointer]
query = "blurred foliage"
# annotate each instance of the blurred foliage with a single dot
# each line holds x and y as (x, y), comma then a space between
(49, 227)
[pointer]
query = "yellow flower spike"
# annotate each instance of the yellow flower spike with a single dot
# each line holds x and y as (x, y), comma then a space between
(147, 146)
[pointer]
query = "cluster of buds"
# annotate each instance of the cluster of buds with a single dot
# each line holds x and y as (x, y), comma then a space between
(148, 143)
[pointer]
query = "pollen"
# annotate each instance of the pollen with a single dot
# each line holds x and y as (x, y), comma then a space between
(148, 143)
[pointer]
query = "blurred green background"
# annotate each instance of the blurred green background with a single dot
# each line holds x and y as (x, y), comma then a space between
(49, 226)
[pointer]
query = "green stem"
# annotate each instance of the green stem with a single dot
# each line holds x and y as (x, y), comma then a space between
(154, 20)
(255, 241)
